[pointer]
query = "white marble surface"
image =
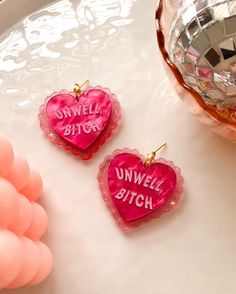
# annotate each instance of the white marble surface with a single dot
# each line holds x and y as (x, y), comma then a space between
(113, 43)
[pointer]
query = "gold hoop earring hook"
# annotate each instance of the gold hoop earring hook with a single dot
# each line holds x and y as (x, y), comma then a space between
(78, 89)
(151, 155)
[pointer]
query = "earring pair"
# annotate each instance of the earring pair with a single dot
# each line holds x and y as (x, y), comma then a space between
(136, 189)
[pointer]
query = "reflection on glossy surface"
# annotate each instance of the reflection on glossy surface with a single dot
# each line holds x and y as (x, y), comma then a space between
(65, 37)
(203, 35)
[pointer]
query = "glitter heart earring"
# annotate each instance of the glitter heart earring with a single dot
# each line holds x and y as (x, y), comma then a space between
(137, 189)
(80, 121)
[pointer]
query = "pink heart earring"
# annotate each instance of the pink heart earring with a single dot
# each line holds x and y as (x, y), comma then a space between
(80, 121)
(137, 189)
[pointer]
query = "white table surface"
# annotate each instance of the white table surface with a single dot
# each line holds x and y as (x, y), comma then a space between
(113, 43)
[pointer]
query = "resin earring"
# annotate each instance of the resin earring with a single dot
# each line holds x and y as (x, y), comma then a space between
(137, 189)
(80, 121)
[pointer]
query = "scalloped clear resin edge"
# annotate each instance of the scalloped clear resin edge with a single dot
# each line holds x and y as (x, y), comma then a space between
(102, 178)
(105, 134)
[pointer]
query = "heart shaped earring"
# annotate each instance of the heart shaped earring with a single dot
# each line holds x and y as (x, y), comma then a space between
(80, 121)
(137, 189)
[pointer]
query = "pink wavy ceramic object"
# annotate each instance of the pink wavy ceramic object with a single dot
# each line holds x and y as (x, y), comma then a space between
(21, 216)
(136, 193)
(11, 253)
(80, 126)
(30, 266)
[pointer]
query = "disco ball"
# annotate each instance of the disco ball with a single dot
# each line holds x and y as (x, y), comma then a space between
(198, 42)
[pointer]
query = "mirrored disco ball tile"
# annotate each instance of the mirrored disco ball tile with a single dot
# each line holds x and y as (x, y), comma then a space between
(215, 32)
(204, 72)
(205, 17)
(184, 40)
(178, 64)
(225, 77)
(191, 80)
(178, 27)
(233, 71)
(221, 11)
(216, 95)
(189, 69)
(207, 85)
(230, 25)
(212, 57)
(190, 58)
(222, 81)
(192, 54)
(193, 51)
(188, 14)
(211, 101)
(202, 62)
(215, 2)
(179, 53)
(218, 78)
(232, 7)
(228, 44)
(221, 86)
(201, 42)
(231, 90)
(201, 5)
(206, 34)
(193, 28)
(196, 88)
(227, 48)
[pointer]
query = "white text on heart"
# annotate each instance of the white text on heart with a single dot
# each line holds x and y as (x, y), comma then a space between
(79, 128)
(69, 112)
(132, 197)
(138, 178)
